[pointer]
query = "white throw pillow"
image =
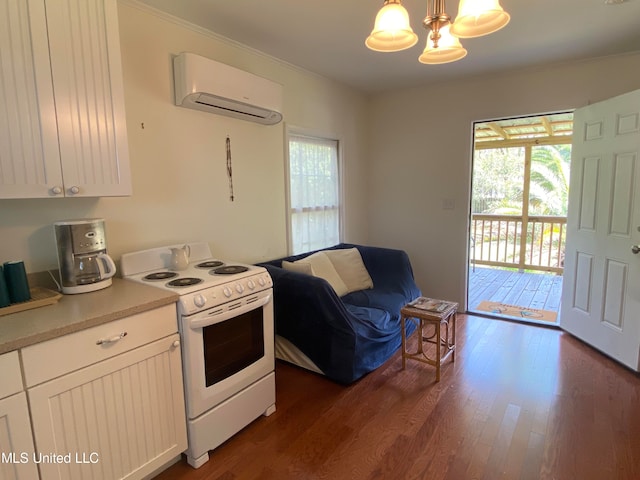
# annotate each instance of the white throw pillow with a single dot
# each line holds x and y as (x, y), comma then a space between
(322, 267)
(301, 266)
(349, 265)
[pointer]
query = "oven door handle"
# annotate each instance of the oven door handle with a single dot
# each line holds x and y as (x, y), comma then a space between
(216, 316)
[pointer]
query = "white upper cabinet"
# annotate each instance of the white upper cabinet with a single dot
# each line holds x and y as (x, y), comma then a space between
(62, 123)
(29, 155)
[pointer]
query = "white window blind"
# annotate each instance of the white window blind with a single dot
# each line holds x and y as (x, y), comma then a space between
(314, 193)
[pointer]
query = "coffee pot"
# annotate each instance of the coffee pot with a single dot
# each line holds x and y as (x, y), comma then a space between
(93, 268)
(84, 263)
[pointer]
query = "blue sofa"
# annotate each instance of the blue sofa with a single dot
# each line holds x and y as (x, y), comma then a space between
(345, 337)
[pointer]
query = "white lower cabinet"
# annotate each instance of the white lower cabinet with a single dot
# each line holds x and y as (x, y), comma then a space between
(16, 442)
(120, 417)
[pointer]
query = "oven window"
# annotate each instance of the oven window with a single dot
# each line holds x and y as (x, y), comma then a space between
(232, 345)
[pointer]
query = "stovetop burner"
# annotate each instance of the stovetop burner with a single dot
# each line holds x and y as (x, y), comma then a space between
(159, 276)
(210, 264)
(184, 282)
(229, 270)
(203, 285)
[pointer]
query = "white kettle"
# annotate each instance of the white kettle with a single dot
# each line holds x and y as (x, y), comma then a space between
(180, 257)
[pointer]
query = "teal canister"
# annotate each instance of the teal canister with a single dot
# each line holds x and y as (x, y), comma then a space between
(15, 276)
(4, 291)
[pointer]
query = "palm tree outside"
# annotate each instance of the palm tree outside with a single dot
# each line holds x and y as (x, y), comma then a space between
(549, 187)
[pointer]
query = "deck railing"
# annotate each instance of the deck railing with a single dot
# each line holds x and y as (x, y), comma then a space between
(527, 243)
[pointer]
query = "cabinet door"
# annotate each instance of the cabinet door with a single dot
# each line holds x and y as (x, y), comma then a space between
(16, 443)
(121, 418)
(84, 47)
(29, 154)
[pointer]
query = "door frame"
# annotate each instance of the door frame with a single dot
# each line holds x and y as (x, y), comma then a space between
(528, 147)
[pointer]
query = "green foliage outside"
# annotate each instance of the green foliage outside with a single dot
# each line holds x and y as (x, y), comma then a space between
(498, 180)
(549, 191)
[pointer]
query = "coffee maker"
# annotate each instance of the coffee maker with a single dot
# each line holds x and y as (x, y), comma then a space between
(82, 255)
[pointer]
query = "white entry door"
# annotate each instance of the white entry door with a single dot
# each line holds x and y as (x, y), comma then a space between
(601, 287)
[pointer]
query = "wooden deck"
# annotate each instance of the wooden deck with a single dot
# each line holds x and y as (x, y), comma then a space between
(530, 290)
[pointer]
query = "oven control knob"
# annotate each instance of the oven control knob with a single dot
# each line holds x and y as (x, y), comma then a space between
(261, 281)
(227, 292)
(251, 284)
(199, 300)
(239, 288)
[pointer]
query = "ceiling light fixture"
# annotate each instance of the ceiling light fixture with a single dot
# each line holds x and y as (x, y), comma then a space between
(392, 31)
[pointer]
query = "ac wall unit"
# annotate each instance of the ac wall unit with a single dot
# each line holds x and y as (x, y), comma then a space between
(214, 87)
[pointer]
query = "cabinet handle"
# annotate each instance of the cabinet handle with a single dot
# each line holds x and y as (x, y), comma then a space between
(176, 344)
(74, 190)
(113, 339)
(56, 190)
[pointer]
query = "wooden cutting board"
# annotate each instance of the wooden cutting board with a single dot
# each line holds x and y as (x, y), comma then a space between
(40, 297)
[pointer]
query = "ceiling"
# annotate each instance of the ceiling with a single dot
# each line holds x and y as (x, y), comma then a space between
(327, 37)
(554, 128)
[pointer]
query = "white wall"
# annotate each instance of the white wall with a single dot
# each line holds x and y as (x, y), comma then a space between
(423, 156)
(178, 160)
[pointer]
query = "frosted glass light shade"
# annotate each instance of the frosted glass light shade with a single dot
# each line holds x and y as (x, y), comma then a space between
(479, 17)
(449, 49)
(392, 31)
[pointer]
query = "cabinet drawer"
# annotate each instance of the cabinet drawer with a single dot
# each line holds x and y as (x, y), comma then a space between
(10, 374)
(62, 355)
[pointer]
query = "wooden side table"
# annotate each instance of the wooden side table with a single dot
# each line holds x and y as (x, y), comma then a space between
(445, 346)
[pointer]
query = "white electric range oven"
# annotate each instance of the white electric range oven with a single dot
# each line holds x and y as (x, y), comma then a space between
(225, 319)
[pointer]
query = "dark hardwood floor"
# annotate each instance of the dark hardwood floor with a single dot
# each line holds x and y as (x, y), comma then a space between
(520, 402)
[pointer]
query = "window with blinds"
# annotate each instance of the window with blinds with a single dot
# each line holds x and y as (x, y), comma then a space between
(314, 193)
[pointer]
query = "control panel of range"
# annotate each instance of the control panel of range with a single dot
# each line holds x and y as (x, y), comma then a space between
(209, 297)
